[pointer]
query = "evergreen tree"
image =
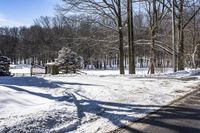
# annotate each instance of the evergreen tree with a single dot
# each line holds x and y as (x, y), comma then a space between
(68, 60)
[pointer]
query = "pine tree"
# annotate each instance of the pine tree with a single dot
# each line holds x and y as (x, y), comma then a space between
(4, 66)
(68, 60)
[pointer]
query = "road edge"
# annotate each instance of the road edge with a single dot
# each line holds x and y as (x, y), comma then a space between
(196, 89)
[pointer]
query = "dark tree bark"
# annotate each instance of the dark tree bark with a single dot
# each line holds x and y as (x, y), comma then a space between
(181, 38)
(121, 47)
(131, 50)
(153, 37)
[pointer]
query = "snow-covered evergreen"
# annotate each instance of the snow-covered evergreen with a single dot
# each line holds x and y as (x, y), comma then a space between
(68, 60)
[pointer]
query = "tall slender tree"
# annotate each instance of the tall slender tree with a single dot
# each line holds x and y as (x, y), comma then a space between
(131, 50)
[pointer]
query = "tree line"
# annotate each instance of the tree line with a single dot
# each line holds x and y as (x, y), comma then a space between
(105, 33)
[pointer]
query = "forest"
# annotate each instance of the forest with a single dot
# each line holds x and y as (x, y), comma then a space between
(110, 34)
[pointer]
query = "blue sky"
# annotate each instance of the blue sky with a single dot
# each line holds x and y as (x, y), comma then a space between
(23, 12)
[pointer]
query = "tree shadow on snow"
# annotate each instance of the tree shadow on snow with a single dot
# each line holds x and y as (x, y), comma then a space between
(86, 105)
(37, 82)
(28, 81)
(73, 83)
(118, 112)
(43, 95)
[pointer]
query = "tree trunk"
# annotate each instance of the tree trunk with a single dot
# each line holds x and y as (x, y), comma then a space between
(180, 38)
(152, 52)
(193, 56)
(125, 60)
(153, 36)
(121, 47)
(129, 37)
(131, 49)
(132, 41)
(105, 62)
(174, 58)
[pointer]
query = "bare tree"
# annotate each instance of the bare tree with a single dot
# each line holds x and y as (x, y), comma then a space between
(181, 25)
(110, 9)
(156, 12)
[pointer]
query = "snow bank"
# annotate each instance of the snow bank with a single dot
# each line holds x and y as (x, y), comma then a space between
(188, 72)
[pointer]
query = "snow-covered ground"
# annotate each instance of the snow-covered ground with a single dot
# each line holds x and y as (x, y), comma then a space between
(139, 71)
(24, 70)
(20, 70)
(97, 102)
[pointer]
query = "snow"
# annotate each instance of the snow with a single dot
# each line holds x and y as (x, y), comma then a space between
(20, 69)
(51, 63)
(139, 71)
(24, 70)
(96, 102)
(187, 72)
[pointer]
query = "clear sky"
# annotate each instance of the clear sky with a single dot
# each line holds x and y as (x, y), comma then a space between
(23, 12)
